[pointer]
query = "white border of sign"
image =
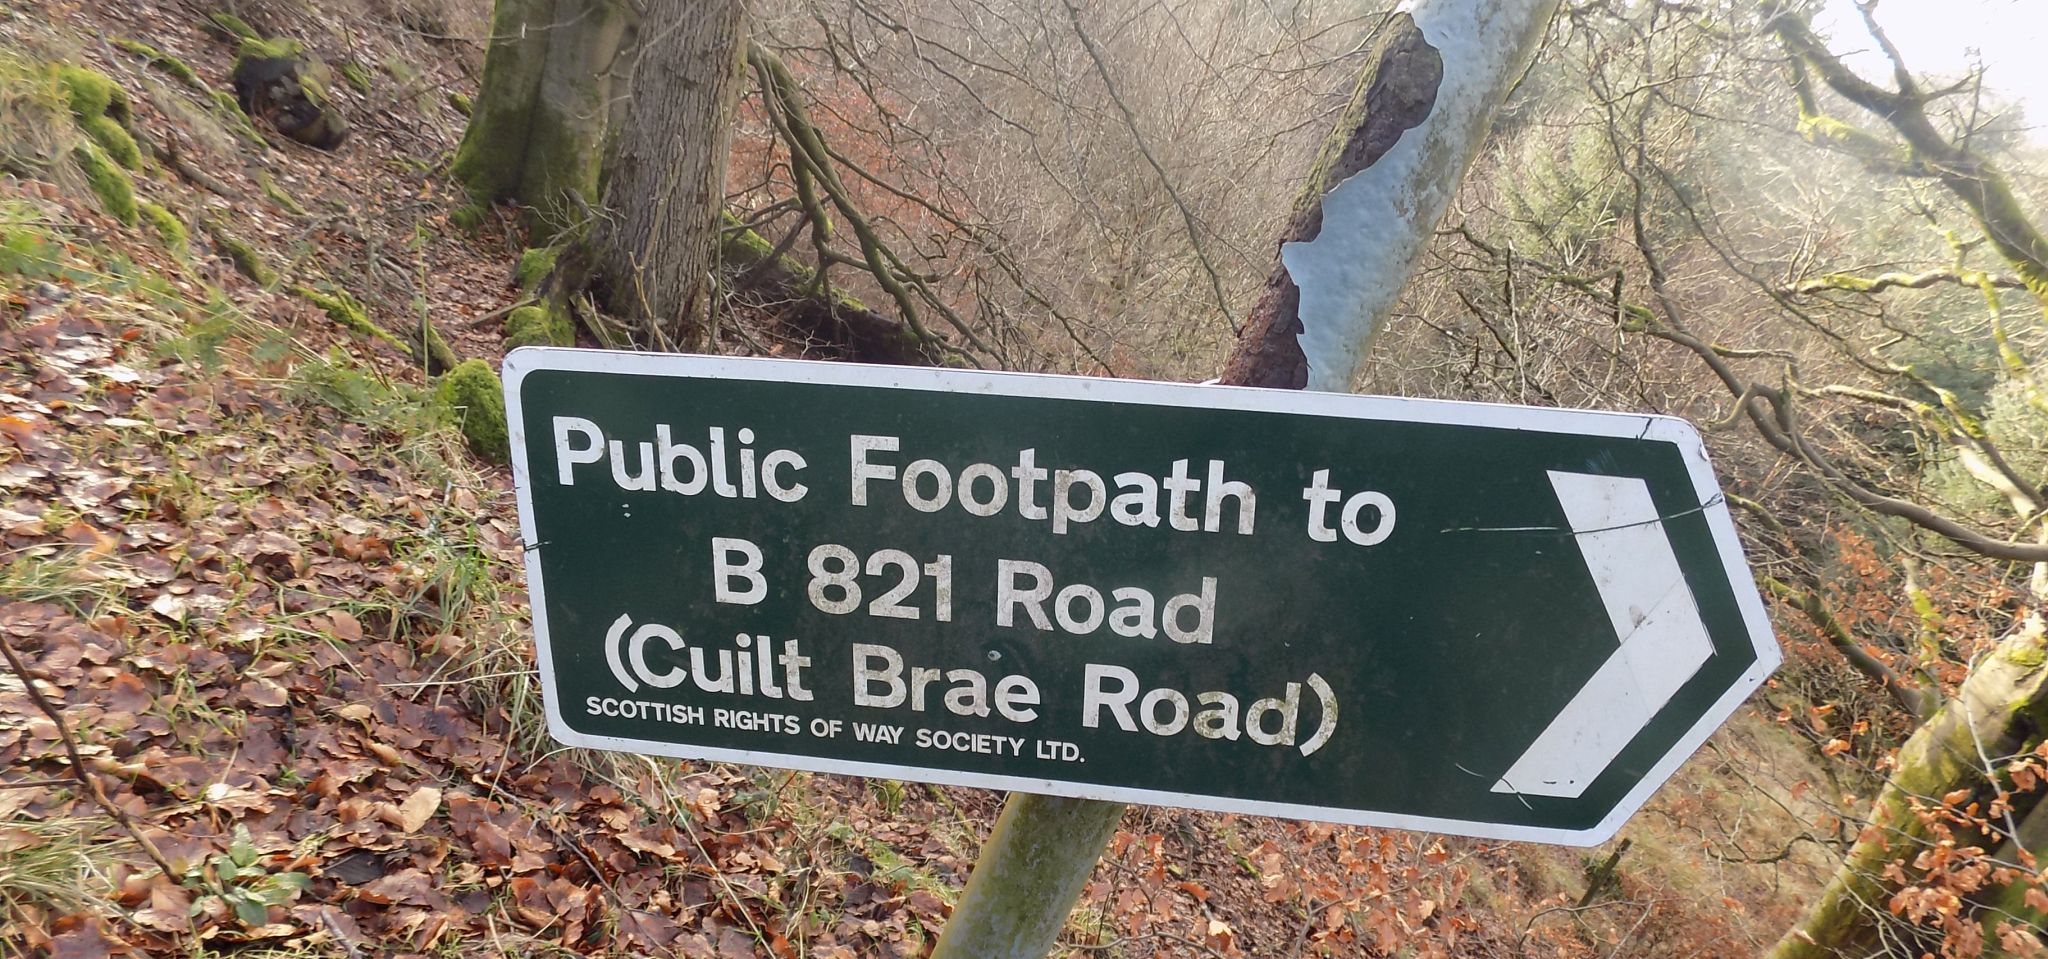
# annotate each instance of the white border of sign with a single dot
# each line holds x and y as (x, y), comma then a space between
(1666, 429)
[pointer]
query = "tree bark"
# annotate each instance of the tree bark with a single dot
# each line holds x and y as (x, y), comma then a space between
(1974, 180)
(1999, 707)
(665, 184)
(536, 132)
(1417, 116)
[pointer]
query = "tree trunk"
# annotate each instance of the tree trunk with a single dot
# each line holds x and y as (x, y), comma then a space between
(536, 133)
(1420, 112)
(1999, 708)
(1417, 116)
(665, 184)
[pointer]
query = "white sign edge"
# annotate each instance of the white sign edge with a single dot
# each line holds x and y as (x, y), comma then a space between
(1642, 426)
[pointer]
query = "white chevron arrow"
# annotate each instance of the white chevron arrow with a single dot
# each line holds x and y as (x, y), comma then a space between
(1663, 641)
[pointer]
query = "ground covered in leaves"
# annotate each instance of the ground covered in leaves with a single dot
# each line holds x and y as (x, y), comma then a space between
(283, 699)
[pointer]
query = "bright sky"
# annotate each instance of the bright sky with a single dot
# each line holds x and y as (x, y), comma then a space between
(1946, 37)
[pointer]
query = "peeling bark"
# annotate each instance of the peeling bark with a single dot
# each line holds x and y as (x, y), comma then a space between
(1417, 116)
(1392, 97)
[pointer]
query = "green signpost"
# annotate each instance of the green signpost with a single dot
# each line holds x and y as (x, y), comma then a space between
(1494, 621)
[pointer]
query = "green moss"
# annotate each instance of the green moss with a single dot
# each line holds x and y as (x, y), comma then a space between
(232, 27)
(163, 61)
(461, 102)
(440, 356)
(357, 76)
(230, 113)
(109, 182)
(91, 93)
(276, 195)
(276, 48)
(535, 263)
(247, 261)
(167, 226)
(348, 311)
(119, 144)
(472, 397)
(539, 325)
(740, 245)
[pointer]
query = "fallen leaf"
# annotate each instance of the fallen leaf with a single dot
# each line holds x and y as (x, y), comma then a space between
(417, 809)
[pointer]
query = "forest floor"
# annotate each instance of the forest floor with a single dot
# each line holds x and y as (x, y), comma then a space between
(275, 606)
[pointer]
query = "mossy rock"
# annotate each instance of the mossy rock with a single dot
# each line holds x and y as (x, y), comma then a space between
(273, 48)
(277, 81)
(167, 226)
(109, 182)
(119, 144)
(539, 325)
(472, 397)
(162, 61)
(461, 102)
(92, 93)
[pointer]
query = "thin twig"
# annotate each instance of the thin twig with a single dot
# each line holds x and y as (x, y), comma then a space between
(78, 770)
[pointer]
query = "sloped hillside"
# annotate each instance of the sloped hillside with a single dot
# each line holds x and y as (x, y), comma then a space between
(261, 574)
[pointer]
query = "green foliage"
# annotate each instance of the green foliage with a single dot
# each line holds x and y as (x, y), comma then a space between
(247, 261)
(204, 337)
(473, 398)
(2016, 421)
(243, 880)
(337, 382)
(357, 76)
(1563, 195)
(109, 182)
(119, 144)
(162, 61)
(167, 226)
(29, 253)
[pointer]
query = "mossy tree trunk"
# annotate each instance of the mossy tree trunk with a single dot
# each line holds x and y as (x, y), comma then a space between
(1999, 710)
(657, 245)
(536, 131)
